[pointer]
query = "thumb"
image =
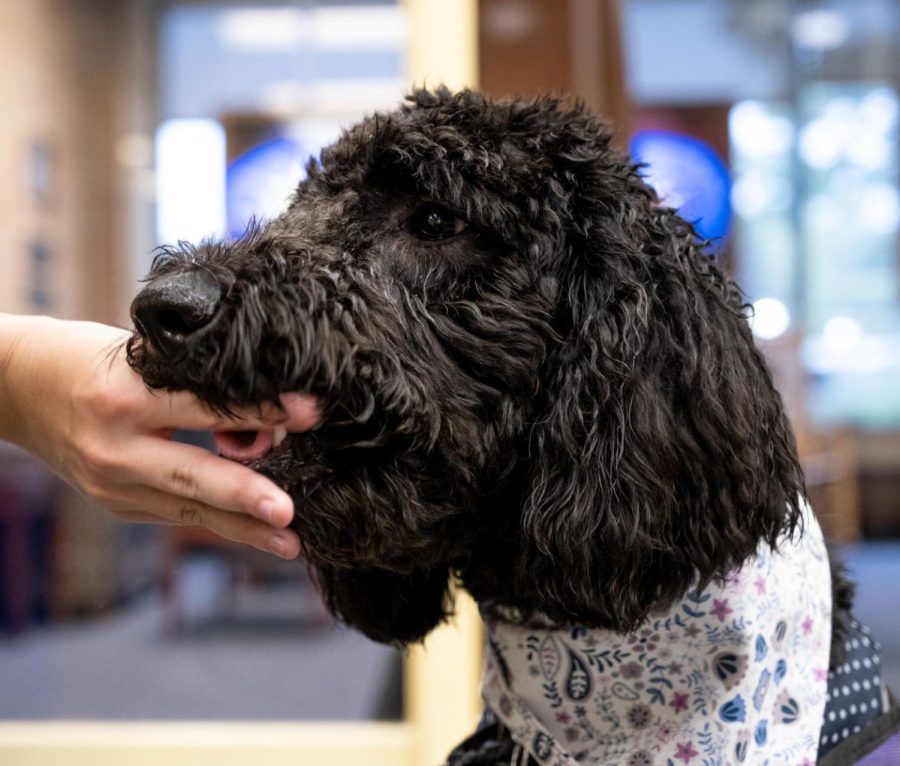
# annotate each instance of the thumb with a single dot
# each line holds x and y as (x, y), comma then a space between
(183, 410)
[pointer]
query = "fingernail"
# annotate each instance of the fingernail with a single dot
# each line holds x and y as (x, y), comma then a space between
(264, 510)
(279, 546)
(302, 410)
(276, 511)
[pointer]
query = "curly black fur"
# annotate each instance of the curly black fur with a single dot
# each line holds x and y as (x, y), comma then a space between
(559, 402)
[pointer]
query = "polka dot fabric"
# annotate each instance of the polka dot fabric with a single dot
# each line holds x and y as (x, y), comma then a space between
(856, 694)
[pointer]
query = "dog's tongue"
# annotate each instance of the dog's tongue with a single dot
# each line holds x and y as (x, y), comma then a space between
(246, 446)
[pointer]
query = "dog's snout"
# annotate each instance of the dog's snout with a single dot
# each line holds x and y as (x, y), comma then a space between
(173, 308)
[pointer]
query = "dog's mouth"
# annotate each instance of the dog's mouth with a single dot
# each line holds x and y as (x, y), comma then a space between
(336, 430)
(295, 461)
(247, 446)
(301, 461)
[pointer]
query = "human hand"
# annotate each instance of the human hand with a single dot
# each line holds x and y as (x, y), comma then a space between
(68, 395)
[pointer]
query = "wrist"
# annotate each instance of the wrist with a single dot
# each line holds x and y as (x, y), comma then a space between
(20, 347)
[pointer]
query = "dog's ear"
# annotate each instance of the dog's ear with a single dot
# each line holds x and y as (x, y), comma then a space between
(388, 607)
(663, 456)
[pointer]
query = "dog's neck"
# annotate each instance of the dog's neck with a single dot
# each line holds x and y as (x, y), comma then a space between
(735, 673)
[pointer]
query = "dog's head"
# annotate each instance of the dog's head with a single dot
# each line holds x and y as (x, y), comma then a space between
(532, 374)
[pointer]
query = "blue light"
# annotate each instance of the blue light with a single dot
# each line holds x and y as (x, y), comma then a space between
(260, 182)
(688, 175)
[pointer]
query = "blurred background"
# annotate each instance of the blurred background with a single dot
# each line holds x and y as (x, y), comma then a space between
(773, 124)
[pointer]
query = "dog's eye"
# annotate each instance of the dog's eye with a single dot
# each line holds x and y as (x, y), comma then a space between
(433, 222)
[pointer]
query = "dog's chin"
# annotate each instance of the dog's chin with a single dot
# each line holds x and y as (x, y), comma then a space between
(296, 462)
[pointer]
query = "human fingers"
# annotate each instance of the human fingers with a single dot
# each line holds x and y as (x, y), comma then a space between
(143, 517)
(194, 474)
(146, 504)
(181, 409)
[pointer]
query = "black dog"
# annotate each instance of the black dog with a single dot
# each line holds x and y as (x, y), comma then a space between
(534, 379)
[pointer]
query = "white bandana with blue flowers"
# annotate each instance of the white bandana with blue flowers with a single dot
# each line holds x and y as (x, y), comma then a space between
(734, 674)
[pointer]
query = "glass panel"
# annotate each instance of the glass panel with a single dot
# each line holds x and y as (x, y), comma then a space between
(850, 214)
(816, 203)
(844, 62)
(762, 195)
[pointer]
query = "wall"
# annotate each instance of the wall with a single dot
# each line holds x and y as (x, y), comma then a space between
(57, 90)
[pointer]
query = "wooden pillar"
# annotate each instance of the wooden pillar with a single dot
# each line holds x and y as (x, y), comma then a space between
(563, 47)
(443, 43)
(443, 702)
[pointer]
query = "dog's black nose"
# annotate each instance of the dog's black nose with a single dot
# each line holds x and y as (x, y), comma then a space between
(174, 307)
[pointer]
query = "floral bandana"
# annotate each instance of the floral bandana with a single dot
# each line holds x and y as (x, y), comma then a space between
(733, 674)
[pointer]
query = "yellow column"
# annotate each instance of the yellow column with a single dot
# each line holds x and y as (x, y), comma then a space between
(443, 43)
(443, 700)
